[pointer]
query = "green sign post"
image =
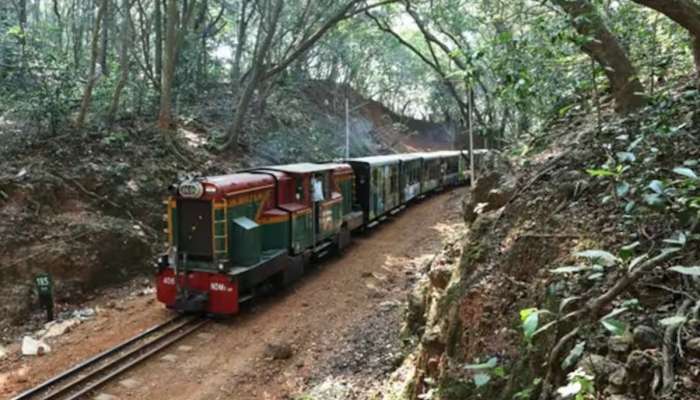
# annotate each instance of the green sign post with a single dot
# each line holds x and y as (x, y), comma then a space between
(44, 287)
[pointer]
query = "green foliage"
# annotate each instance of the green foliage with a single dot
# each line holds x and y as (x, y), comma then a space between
(580, 386)
(528, 392)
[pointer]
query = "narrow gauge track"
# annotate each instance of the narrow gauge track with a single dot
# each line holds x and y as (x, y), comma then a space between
(85, 377)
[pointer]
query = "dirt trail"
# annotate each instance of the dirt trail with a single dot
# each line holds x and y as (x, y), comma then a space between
(346, 306)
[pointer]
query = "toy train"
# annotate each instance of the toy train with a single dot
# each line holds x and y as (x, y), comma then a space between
(231, 235)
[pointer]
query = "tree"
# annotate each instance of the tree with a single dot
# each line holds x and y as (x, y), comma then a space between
(599, 43)
(687, 14)
(175, 31)
(123, 59)
(300, 34)
(94, 73)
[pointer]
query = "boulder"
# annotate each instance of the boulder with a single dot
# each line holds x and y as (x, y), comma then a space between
(486, 195)
(693, 345)
(33, 347)
(440, 276)
(599, 366)
(645, 337)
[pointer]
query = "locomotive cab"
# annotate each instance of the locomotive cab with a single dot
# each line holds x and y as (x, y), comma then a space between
(217, 255)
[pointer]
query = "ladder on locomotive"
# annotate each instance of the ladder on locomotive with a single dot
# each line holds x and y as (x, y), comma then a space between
(220, 229)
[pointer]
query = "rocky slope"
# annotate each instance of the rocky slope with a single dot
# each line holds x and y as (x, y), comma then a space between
(577, 277)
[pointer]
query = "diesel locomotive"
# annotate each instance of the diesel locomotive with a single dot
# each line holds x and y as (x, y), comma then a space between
(231, 235)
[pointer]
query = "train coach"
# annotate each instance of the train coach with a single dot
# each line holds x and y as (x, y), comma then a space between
(231, 236)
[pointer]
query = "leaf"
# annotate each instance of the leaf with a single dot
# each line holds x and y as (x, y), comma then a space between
(595, 277)
(481, 379)
(530, 320)
(602, 256)
(499, 372)
(692, 271)
(574, 355)
(654, 200)
(687, 172)
(673, 321)
(491, 363)
(622, 189)
(630, 206)
(678, 238)
(570, 269)
(657, 186)
(614, 313)
(624, 156)
(616, 327)
(626, 252)
(600, 172)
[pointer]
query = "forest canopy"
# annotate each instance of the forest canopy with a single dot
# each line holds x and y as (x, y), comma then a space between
(74, 63)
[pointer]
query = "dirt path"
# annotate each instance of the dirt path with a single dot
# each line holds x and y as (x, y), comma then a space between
(342, 319)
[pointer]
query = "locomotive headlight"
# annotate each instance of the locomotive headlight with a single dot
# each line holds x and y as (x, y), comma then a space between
(221, 267)
(191, 190)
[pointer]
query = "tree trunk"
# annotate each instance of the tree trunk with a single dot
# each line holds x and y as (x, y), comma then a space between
(255, 75)
(241, 39)
(93, 74)
(168, 73)
(123, 60)
(105, 38)
(22, 16)
(685, 13)
(159, 39)
(604, 47)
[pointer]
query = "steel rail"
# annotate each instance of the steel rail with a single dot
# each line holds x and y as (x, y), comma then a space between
(159, 341)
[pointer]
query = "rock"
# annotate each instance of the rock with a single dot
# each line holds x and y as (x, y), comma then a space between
(81, 314)
(498, 198)
(415, 312)
(645, 337)
(599, 366)
(618, 378)
(278, 351)
(432, 341)
(3, 352)
(56, 328)
(641, 368)
(620, 344)
(440, 276)
(689, 383)
(693, 345)
(33, 347)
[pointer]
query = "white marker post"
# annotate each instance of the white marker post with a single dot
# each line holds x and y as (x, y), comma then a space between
(471, 140)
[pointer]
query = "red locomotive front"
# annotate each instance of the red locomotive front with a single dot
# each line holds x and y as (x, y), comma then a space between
(214, 236)
(231, 236)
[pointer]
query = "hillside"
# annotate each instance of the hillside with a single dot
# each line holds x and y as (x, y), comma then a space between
(86, 206)
(578, 270)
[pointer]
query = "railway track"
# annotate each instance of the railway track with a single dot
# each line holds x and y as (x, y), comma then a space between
(82, 379)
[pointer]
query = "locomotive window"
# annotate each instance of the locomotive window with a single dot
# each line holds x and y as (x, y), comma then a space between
(194, 228)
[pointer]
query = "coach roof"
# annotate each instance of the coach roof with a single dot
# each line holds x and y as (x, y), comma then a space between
(377, 160)
(302, 168)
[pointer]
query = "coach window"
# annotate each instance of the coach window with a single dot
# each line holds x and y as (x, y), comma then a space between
(299, 189)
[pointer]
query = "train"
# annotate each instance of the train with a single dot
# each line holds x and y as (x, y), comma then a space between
(232, 236)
